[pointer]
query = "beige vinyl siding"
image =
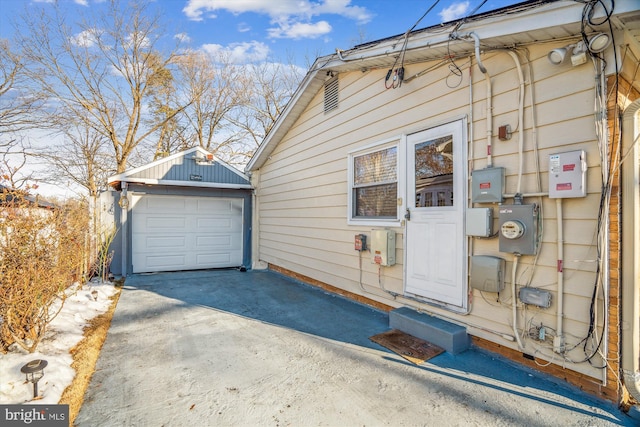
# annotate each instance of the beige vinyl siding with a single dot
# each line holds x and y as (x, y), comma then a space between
(303, 187)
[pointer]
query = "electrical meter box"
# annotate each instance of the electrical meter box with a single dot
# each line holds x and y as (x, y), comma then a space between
(518, 229)
(568, 174)
(487, 185)
(487, 273)
(383, 247)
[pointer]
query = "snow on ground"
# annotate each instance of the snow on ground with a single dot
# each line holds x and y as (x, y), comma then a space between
(63, 333)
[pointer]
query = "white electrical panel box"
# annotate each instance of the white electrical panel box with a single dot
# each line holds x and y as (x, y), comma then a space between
(568, 174)
(383, 247)
(479, 222)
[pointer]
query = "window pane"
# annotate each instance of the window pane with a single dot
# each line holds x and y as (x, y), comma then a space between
(376, 201)
(379, 166)
(434, 172)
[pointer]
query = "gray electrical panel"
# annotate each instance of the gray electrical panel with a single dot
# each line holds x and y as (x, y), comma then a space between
(479, 222)
(487, 185)
(487, 273)
(518, 229)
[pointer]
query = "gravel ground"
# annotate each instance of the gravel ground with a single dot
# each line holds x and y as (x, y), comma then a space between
(226, 348)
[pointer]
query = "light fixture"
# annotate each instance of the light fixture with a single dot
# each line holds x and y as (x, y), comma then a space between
(33, 371)
(578, 54)
(599, 42)
(556, 56)
(595, 44)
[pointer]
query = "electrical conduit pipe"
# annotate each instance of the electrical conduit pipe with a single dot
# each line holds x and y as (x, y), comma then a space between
(558, 342)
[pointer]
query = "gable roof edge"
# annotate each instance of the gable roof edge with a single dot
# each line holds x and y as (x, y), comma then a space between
(124, 176)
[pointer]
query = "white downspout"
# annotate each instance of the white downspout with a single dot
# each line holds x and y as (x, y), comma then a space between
(630, 278)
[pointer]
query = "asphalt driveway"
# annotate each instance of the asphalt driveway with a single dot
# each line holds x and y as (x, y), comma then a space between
(231, 348)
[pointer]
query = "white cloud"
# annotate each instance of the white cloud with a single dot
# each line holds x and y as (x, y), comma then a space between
(455, 11)
(243, 27)
(182, 37)
(293, 17)
(239, 53)
(85, 38)
(81, 2)
(299, 30)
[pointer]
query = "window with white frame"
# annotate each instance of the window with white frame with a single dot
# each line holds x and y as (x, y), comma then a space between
(373, 182)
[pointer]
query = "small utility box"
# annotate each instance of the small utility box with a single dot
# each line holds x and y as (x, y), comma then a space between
(383, 247)
(487, 273)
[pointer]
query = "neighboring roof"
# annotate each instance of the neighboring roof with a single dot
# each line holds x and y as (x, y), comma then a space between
(195, 167)
(534, 21)
(12, 196)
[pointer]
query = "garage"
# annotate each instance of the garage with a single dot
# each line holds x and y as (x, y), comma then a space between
(188, 211)
(186, 233)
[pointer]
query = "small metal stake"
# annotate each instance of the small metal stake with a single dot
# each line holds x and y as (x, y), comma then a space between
(33, 371)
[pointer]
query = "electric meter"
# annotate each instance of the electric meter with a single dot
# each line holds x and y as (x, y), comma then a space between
(512, 229)
(518, 229)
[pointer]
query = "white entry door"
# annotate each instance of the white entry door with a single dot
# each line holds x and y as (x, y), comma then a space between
(186, 233)
(436, 267)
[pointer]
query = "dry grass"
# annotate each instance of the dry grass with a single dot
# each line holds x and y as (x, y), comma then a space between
(85, 355)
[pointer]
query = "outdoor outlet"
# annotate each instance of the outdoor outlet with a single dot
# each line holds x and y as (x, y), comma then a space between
(558, 345)
(504, 133)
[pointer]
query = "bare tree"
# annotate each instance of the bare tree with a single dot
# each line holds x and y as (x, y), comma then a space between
(273, 85)
(17, 103)
(100, 73)
(217, 87)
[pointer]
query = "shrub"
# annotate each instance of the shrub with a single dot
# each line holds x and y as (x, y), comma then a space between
(41, 255)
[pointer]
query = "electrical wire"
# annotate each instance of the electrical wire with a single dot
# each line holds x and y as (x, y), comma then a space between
(398, 73)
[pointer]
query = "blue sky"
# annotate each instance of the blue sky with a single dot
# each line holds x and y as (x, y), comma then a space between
(281, 30)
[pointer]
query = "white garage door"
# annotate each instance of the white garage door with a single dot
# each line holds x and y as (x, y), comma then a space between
(186, 233)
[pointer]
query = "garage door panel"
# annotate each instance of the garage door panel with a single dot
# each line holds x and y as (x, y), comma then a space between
(165, 223)
(167, 204)
(182, 233)
(222, 206)
(215, 258)
(215, 224)
(165, 262)
(214, 242)
(164, 243)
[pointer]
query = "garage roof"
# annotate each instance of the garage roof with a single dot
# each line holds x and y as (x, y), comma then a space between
(195, 167)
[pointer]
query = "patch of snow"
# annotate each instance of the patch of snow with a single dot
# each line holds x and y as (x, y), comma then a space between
(63, 333)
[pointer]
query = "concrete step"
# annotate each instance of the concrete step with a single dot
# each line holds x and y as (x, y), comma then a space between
(453, 338)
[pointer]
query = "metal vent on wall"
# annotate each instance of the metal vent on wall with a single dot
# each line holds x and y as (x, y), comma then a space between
(331, 94)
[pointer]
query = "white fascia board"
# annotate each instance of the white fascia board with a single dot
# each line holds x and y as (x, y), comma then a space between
(170, 182)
